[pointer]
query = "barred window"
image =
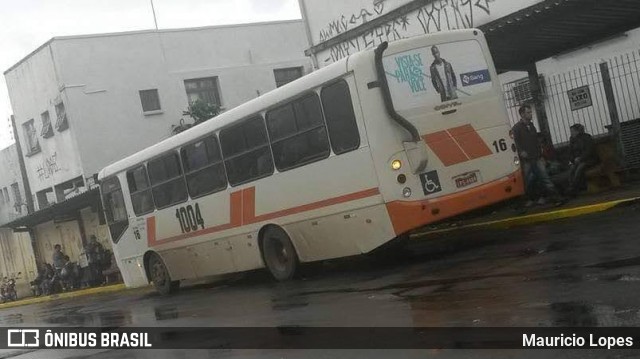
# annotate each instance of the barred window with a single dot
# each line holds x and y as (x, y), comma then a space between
(203, 89)
(47, 129)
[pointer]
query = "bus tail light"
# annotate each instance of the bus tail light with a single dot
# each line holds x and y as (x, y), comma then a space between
(396, 165)
(516, 161)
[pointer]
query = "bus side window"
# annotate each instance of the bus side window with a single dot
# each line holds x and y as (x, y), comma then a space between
(341, 120)
(140, 190)
(168, 185)
(245, 148)
(203, 167)
(114, 208)
(297, 132)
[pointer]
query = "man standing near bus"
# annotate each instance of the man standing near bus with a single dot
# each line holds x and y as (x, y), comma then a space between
(443, 77)
(533, 165)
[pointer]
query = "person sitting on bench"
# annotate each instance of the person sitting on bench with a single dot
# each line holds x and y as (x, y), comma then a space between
(583, 156)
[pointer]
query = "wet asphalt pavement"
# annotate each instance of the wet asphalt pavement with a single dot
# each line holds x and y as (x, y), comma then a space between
(578, 272)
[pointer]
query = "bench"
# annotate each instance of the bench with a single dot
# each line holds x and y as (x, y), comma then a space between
(607, 173)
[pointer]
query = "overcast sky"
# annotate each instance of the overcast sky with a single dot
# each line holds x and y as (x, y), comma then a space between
(27, 24)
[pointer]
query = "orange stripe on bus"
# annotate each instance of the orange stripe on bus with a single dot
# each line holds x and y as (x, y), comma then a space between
(470, 141)
(243, 209)
(235, 209)
(447, 150)
(408, 215)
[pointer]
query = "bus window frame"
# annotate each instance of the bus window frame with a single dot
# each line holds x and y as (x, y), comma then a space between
(267, 144)
(175, 152)
(221, 161)
(292, 103)
(148, 188)
(353, 110)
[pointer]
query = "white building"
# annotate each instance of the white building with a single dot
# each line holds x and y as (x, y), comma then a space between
(82, 102)
(16, 251)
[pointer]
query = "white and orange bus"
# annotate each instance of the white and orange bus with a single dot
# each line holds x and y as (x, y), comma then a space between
(334, 164)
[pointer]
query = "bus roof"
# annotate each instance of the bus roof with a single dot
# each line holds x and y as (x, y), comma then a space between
(227, 118)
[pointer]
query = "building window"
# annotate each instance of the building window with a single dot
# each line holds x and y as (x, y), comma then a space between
(2, 197)
(46, 198)
(167, 181)
(47, 129)
(140, 190)
(341, 120)
(298, 134)
(245, 147)
(203, 167)
(18, 197)
(284, 76)
(61, 117)
(150, 100)
(204, 89)
(30, 134)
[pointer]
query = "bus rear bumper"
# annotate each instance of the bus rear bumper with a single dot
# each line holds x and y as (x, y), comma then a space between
(408, 215)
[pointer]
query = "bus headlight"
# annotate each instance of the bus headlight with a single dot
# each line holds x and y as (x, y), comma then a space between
(406, 192)
(396, 165)
(516, 161)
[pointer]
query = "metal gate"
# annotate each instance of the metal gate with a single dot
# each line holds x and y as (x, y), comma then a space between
(579, 96)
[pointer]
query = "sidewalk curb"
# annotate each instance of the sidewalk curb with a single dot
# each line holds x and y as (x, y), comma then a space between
(66, 295)
(537, 217)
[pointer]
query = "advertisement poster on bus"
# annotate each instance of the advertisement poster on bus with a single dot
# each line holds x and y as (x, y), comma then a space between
(429, 76)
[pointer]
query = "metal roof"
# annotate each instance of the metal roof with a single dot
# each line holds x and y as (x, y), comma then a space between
(58, 211)
(557, 26)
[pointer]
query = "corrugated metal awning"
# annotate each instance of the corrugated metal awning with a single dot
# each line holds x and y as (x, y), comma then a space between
(557, 26)
(61, 210)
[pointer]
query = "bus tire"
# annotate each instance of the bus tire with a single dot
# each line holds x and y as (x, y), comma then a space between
(279, 254)
(160, 276)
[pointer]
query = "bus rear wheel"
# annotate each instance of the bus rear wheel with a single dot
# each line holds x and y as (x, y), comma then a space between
(160, 276)
(279, 254)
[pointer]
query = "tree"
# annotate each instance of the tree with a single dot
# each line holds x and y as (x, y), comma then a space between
(199, 111)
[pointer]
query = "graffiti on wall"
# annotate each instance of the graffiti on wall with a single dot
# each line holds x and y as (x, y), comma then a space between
(347, 22)
(439, 15)
(48, 167)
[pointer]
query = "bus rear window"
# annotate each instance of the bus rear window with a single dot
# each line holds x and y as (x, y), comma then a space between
(429, 76)
(114, 207)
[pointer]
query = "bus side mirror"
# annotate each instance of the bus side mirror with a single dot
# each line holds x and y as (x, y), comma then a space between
(417, 155)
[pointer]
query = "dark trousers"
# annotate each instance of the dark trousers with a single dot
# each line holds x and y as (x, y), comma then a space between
(535, 175)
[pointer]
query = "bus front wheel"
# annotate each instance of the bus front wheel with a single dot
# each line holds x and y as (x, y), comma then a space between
(160, 276)
(279, 254)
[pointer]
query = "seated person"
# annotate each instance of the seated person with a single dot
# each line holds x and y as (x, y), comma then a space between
(583, 157)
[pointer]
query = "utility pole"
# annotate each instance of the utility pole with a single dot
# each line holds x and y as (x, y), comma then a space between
(153, 10)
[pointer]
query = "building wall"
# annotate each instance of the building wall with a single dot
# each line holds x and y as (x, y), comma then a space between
(98, 78)
(17, 260)
(328, 19)
(11, 207)
(67, 234)
(104, 74)
(33, 89)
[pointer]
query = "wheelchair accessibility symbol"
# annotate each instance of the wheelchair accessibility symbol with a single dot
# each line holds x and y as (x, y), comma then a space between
(430, 183)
